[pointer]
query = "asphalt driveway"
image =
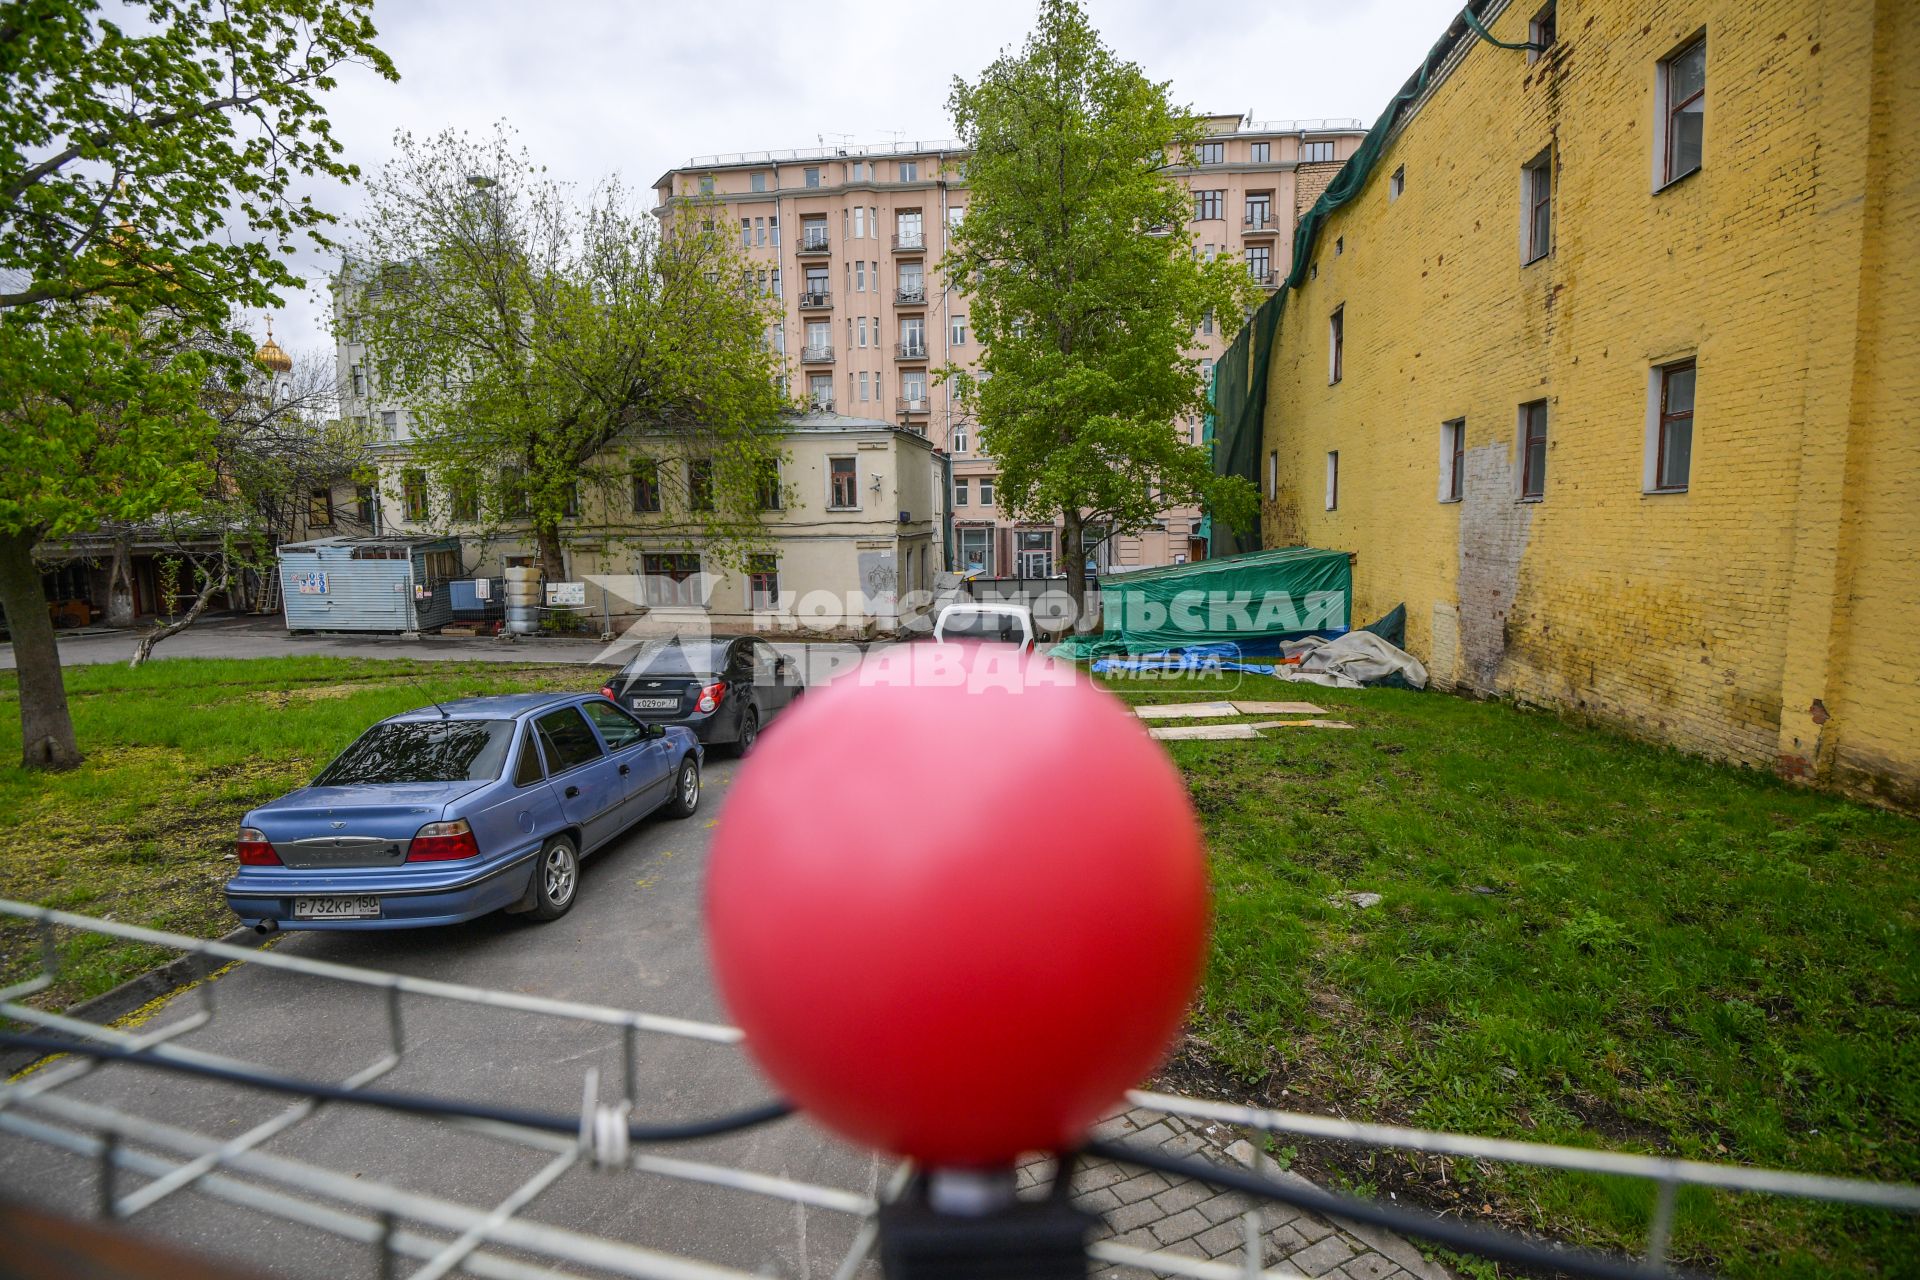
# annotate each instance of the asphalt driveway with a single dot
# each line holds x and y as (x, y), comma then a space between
(634, 940)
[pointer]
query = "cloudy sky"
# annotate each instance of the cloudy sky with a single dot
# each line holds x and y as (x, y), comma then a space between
(640, 86)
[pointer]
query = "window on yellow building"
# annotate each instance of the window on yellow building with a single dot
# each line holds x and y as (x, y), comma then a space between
(1536, 185)
(1533, 449)
(1683, 106)
(1397, 183)
(1336, 344)
(1273, 474)
(1541, 32)
(1453, 460)
(1672, 414)
(1333, 480)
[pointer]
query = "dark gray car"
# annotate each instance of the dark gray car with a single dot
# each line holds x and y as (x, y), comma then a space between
(727, 689)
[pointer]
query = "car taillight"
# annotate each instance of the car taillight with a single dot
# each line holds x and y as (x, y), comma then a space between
(606, 691)
(711, 695)
(443, 842)
(254, 850)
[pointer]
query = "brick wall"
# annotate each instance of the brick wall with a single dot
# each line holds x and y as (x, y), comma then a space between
(1767, 614)
(1309, 180)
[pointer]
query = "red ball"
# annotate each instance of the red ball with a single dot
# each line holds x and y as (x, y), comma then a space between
(958, 920)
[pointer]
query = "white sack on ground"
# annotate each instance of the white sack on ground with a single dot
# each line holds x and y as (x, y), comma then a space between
(1355, 659)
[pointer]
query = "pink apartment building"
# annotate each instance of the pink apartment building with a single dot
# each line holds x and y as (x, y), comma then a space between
(850, 238)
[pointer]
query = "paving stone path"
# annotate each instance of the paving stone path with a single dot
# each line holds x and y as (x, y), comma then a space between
(1146, 1210)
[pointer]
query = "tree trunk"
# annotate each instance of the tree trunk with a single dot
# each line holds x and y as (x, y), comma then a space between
(144, 650)
(553, 563)
(46, 730)
(1074, 556)
(120, 585)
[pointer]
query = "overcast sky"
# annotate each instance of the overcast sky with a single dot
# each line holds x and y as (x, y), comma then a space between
(639, 87)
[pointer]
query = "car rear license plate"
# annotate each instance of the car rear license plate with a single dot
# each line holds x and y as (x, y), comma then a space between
(655, 704)
(355, 906)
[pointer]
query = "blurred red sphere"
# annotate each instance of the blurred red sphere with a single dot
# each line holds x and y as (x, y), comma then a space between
(957, 921)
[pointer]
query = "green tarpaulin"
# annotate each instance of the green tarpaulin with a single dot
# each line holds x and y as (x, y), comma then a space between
(1252, 601)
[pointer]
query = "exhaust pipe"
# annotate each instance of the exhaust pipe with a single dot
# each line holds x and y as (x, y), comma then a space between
(267, 926)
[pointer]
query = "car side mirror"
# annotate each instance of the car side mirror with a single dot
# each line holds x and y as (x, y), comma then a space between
(656, 730)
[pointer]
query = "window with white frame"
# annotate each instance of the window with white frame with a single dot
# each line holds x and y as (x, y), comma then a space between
(957, 330)
(909, 171)
(1542, 32)
(758, 182)
(1536, 207)
(961, 488)
(1453, 460)
(1680, 139)
(976, 549)
(958, 438)
(986, 491)
(763, 582)
(672, 579)
(859, 222)
(1670, 427)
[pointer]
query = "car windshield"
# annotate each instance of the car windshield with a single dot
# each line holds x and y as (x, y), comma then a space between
(399, 751)
(982, 626)
(677, 657)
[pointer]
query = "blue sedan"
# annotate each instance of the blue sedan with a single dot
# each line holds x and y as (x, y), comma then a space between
(459, 809)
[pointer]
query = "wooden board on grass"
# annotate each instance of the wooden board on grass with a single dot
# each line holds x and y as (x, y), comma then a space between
(1185, 710)
(1206, 732)
(1279, 709)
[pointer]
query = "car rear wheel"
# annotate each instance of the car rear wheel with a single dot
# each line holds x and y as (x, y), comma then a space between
(686, 790)
(556, 879)
(749, 731)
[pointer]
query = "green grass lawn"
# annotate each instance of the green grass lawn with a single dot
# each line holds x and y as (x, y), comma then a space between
(1582, 939)
(176, 752)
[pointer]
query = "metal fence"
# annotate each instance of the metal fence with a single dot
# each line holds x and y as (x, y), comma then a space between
(142, 1161)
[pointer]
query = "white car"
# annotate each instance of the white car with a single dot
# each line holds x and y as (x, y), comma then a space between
(989, 621)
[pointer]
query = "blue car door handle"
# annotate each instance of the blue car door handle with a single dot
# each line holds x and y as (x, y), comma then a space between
(572, 792)
(624, 771)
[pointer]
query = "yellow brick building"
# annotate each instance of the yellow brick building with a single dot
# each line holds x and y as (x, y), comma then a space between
(1573, 241)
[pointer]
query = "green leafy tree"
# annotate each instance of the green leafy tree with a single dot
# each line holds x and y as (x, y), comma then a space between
(545, 343)
(1085, 288)
(147, 188)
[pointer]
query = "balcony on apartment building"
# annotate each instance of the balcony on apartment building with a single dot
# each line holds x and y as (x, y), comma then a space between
(1265, 278)
(911, 350)
(913, 406)
(911, 295)
(1255, 224)
(815, 299)
(910, 242)
(814, 241)
(817, 403)
(820, 353)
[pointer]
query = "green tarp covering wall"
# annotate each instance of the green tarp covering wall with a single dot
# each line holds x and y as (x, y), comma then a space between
(1252, 601)
(1240, 376)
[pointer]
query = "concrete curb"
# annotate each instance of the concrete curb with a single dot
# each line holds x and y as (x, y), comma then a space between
(136, 992)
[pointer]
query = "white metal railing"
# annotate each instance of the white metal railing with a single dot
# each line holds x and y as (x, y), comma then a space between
(851, 151)
(495, 1240)
(1329, 124)
(817, 353)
